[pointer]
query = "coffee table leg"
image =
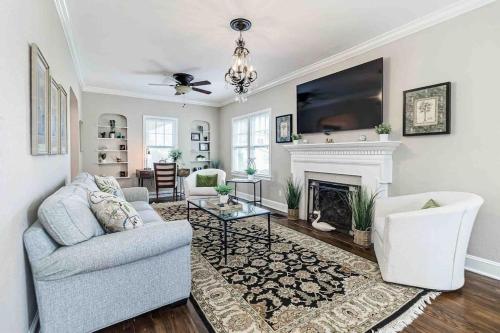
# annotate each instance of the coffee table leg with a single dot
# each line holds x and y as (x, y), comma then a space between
(188, 210)
(269, 229)
(225, 242)
(254, 197)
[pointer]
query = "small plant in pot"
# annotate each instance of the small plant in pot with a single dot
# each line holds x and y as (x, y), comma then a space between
(362, 204)
(175, 155)
(223, 191)
(250, 173)
(383, 130)
(293, 193)
(296, 138)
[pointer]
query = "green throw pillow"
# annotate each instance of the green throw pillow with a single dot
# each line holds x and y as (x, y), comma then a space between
(206, 181)
(431, 204)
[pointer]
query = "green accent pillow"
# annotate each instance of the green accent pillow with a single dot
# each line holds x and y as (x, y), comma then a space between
(110, 185)
(206, 181)
(113, 213)
(431, 204)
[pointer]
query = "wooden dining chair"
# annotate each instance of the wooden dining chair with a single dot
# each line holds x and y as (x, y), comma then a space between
(166, 177)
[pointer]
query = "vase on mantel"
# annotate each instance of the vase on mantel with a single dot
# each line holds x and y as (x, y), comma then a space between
(383, 137)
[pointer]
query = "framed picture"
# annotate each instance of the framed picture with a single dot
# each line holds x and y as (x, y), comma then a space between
(40, 103)
(284, 128)
(204, 147)
(63, 106)
(195, 136)
(426, 110)
(54, 116)
(123, 147)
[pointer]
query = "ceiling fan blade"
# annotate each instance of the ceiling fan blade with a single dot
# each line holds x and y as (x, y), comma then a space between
(203, 91)
(161, 84)
(199, 83)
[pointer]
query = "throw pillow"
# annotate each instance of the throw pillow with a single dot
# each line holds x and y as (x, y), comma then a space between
(206, 180)
(431, 204)
(113, 213)
(110, 185)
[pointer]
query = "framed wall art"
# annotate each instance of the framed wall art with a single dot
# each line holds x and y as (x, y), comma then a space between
(63, 107)
(195, 136)
(426, 110)
(204, 147)
(40, 103)
(54, 116)
(284, 128)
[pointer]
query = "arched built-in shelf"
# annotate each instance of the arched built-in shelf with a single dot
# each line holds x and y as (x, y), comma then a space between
(200, 143)
(112, 143)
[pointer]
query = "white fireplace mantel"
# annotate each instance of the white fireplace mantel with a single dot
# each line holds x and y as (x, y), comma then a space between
(369, 160)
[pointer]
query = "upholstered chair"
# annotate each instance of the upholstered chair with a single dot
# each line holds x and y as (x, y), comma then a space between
(194, 192)
(424, 247)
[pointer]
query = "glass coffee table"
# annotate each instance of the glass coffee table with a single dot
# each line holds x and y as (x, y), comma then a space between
(225, 217)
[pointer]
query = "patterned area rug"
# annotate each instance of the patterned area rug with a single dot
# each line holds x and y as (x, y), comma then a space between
(301, 285)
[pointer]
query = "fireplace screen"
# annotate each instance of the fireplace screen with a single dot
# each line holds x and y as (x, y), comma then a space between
(330, 199)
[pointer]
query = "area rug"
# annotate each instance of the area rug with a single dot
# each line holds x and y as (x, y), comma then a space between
(302, 285)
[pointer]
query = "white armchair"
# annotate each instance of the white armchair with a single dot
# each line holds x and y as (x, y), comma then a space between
(194, 192)
(424, 247)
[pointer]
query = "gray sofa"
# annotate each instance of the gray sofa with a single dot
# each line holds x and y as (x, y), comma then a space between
(86, 279)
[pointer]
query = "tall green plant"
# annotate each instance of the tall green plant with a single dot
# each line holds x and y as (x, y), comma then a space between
(293, 193)
(362, 205)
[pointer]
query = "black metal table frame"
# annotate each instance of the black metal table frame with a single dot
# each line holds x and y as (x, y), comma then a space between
(225, 230)
(236, 182)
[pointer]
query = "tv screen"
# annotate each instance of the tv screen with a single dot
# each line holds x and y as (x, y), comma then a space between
(346, 100)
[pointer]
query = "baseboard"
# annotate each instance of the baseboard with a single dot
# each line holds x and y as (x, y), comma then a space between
(482, 266)
(282, 207)
(34, 324)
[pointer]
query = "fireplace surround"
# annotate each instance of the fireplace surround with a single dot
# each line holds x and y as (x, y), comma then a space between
(370, 162)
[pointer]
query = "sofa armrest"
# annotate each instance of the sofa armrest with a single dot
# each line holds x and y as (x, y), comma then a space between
(136, 194)
(114, 249)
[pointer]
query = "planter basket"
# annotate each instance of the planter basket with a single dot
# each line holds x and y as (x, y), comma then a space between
(293, 214)
(362, 238)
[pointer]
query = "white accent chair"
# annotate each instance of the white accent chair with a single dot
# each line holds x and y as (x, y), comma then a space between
(424, 248)
(193, 192)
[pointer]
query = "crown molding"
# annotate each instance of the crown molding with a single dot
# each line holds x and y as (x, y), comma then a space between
(126, 93)
(424, 22)
(62, 11)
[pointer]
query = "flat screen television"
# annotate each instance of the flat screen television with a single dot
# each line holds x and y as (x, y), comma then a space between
(346, 100)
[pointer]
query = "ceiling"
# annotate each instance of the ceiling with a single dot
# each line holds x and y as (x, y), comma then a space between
(122, 45)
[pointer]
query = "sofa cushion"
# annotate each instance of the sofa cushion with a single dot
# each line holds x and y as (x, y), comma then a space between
(146, 212)
(202, 191)
(86, 181)
(109, 185)
(67, 218)
(206, 180)
(114, 213)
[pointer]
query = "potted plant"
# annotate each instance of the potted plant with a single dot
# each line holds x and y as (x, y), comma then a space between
(175, 155)
(250, 173)
(362, 204)
(293, 193)
(223, 191)
(383, 130)
(296, 138)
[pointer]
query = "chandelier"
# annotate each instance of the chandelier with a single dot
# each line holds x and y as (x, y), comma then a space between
(241, 74)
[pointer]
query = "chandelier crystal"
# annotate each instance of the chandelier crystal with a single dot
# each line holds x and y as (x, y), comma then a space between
(241, 74)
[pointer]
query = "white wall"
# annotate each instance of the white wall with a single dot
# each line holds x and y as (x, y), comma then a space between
(465, 51)
(134, 109)
(25, 180)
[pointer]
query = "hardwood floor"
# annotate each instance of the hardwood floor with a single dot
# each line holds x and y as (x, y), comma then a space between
(474, 308)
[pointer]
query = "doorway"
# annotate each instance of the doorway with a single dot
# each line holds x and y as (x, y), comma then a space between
(74, 125)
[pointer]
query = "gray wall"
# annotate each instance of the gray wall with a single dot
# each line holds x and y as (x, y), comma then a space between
(134, 109)
(465, 51)
(25, 180)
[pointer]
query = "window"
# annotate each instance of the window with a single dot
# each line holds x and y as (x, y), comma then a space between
(160, 137)
(250, 139)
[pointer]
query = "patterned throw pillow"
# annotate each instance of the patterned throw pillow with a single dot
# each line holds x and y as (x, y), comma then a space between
(110, 185)
(113, 213)
(431, 203)
(206, 180)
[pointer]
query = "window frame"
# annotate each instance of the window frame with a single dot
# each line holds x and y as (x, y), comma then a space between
(249, 146)
(175, 139)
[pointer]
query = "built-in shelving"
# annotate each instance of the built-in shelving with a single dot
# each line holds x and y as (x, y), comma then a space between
(202, 128)
(112, 148)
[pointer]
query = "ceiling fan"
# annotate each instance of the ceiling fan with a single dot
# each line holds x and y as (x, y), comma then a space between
(183, 84)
